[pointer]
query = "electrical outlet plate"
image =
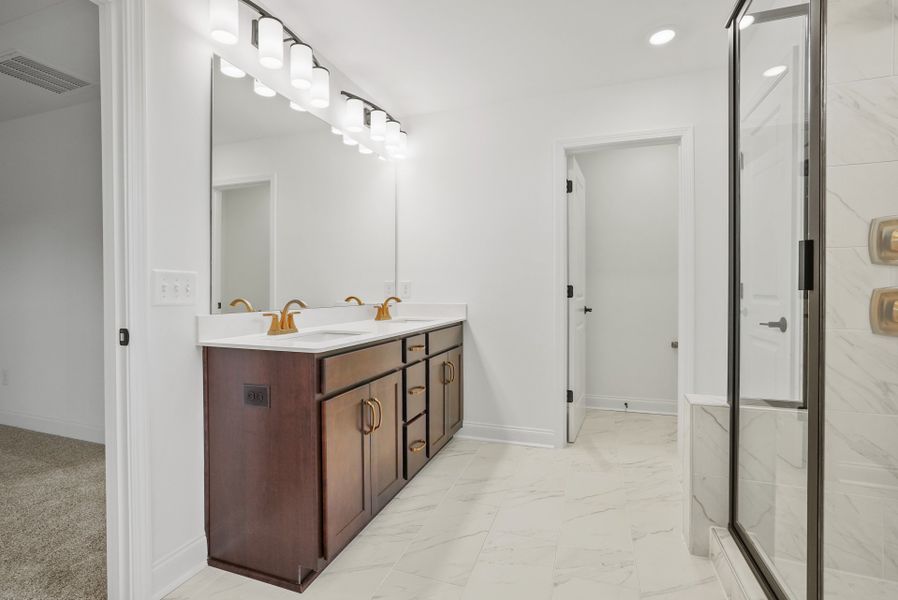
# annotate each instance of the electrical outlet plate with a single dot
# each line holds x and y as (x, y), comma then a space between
(174, 288)
(389, 288)
(405, 290)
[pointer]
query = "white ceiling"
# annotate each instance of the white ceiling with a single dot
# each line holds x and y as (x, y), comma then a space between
(240, 114)
(419, 56)
(61, 34)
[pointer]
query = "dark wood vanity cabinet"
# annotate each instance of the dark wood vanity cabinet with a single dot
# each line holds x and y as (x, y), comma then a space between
(303, 450)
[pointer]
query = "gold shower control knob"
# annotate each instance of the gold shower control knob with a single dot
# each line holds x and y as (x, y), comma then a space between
(884, 311)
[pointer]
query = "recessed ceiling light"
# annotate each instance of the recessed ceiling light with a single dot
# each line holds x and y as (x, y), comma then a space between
(659, 38)
(775, 71)
(746, 21)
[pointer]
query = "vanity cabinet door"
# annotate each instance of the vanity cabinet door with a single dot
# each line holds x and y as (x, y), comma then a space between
(387, 451)
(437, 375)
(346, 422)
(453, 402)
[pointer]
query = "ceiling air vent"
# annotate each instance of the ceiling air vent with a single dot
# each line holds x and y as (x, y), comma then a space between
(31, 71)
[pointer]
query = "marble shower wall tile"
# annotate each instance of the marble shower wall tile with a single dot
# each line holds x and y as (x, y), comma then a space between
(857, 194)
(854, 534)
(861, 373)
(860, 42)
(862, 121)
(757, 444)
(850, 277)
(711, 441)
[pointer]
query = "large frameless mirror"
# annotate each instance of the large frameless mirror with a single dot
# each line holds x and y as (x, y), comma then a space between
(772, 357)
(295, 212)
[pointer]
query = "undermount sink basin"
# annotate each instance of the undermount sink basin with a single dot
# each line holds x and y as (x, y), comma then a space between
(322, 336)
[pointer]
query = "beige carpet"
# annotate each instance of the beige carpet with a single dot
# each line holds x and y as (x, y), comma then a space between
(52, 517)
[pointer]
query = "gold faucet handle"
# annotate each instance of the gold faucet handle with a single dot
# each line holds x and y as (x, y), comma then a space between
(275, 326)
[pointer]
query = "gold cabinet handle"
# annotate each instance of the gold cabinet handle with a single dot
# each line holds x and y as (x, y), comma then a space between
(370, 421)
(417, 446)
(380, 413)
(445, 379)
(416, 348)
(417, 390)
(451, 370)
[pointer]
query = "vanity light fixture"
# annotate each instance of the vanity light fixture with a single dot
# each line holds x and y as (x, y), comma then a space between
(365, 149)
(301, 65)
(665, 36)
(270, 39)
(230, 70)
(392, 138)
(349, 141)
(746, 22)
(775, 71)
(378, 125)
(354, 119)
(401, 150)
(320, 94)
(263, 90)
(297, 106)
(224, 19)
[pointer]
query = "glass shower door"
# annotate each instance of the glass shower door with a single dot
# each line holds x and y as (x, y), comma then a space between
(769, 304)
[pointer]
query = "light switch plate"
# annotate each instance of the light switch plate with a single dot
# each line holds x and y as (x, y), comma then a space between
(405, 290)
(389, 288)
(174, 288)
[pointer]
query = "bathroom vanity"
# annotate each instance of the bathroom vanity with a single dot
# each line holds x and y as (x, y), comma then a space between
(309, 436)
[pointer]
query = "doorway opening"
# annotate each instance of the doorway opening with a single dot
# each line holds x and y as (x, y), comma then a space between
(628, 268)
(53, 425)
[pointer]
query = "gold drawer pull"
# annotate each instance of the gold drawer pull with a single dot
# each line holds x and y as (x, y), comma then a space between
(419, 389)
(416, 348)
(418, 446)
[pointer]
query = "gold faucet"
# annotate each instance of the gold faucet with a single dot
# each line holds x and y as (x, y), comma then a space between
(383, 310)
(355, 299)
(283, 322)
(247, 305)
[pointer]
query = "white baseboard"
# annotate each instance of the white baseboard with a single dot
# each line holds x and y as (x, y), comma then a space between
(60, 427)
(654, 406)
(175, 568)
(506, 434)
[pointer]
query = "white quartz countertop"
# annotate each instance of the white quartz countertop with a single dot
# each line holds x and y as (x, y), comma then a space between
(326, 329)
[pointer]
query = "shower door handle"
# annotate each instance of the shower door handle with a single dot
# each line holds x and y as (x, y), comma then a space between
(782, 324)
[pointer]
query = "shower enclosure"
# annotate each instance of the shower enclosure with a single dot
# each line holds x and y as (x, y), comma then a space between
(776, 295)
(814, 272)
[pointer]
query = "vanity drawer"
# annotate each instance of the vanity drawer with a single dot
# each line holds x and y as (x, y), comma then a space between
(415, 390)
(415, 348)
(346, 370)
(415, 446)
(443, 339)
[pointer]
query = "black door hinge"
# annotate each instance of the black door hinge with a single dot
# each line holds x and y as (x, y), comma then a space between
(124, 337)
(570, 291)
(570, 186)
(570, 396)
(806, 265)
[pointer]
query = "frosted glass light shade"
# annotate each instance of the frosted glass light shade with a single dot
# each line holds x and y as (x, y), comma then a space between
(392, 136)
(401, 150)
(301, 64)
(349, 141)
(354, 119)
(364, 149)
(271, 43)
(297, 106)
(230, 70)
(262, 89)
(378, 125)
(224, 19)
(320, 94)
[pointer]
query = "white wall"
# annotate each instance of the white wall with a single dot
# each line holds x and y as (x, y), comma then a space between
(632, 197)
(336, 214)
(476, 225)
(51, 307)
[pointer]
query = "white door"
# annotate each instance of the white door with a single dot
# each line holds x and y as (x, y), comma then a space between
(576, 221)
(771, 201)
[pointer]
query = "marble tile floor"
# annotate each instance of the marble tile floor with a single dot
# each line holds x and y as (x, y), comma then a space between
(600, 519)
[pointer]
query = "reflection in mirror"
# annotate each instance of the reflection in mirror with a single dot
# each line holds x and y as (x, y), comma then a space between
(295, 212)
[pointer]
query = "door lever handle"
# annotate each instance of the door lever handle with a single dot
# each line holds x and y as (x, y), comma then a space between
(587, 309)
(782, 324)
